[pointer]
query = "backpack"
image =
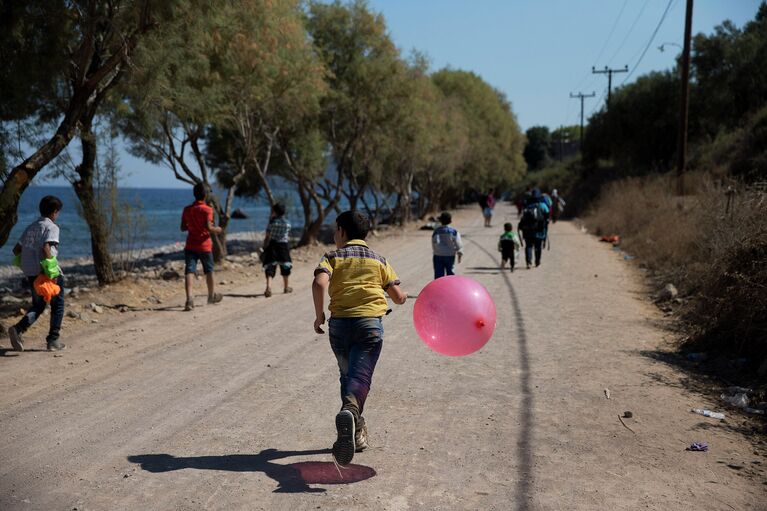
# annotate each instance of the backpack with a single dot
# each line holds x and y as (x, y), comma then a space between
(533, 219)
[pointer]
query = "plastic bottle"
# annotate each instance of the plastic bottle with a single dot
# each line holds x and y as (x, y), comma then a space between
(709, 413)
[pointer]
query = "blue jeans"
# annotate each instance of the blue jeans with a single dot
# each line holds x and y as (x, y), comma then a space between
(443, 265)
(38, 306)
(356, 343)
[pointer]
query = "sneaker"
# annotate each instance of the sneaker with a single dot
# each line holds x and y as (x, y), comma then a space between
(361, 438)
(268, 292)
(189, 305)
(217, 297)
(288, 290)
(528, 266)
(16, 341)
(56, 345)
(343, 448)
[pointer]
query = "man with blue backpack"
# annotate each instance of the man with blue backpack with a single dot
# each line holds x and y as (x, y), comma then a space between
(533, 226)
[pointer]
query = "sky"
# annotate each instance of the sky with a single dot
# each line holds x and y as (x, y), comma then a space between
(536, 52)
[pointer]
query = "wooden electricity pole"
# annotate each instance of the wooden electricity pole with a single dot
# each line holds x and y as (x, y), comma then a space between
(609, 72)
(582, 96)
(684, 103)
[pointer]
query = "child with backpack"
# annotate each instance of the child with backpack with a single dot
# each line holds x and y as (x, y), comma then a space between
(534, 227)
(446, 245)
(508, 245)
(358, 280)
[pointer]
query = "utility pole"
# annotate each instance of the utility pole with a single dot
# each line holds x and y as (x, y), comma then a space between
(582, 96)
(609, 72)
(684, 103)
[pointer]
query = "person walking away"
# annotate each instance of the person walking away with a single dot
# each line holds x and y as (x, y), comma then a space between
(534, 227)
(358, 280)
(277, 251)
(558, 205)
(36, 253)
(446, 245)
(197, 222)
(490, 205)
(508, 245)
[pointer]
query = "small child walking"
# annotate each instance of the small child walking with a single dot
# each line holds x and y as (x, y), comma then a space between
(197, 221)
(277, 251)
(36, 253)
(508, 245)
(446, 245)
(358, 281)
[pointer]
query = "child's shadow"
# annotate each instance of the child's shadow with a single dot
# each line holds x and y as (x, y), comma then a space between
(291, 478)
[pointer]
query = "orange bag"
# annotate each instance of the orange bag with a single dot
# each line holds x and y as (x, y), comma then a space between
(46, 288)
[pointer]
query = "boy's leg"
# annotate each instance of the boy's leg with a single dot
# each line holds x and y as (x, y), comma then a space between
(363, 356)
(57, 316)
(529, 242)
(438, 272)
(450, 265)
(34, 312)
(207, 267)
(190, 268)
(270, 271)
(285, 270)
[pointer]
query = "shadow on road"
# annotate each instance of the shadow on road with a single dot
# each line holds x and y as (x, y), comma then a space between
(524, 493)
(291, 478)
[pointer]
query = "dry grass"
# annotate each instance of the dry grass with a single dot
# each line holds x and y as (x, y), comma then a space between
(714, 253)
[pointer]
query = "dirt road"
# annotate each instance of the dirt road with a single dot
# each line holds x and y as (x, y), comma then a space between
(232, 406)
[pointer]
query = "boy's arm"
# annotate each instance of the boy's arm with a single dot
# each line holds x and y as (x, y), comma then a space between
(47, 250)
(319, 290)
(396, 293)
(17, 249)
(212, 228)
(184, 227)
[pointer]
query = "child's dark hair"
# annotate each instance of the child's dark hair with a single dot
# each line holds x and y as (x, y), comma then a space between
(354, 223)
(279, 209)
(200, 191)
(49, 205)
(508, 227)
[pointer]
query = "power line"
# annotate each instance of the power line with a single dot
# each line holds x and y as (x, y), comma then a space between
(628, 34)
(652, 38)
(612, 30)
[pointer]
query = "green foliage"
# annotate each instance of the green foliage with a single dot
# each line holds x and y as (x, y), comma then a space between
(538, 147)
(639, 129)
(496, 143)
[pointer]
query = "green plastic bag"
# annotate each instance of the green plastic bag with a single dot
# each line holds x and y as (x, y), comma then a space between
(51, 267)
(17, 260)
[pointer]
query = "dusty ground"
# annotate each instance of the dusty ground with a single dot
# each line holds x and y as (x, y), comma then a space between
(231, 406)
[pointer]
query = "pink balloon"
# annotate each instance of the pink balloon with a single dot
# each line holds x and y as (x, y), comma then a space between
(454, 315)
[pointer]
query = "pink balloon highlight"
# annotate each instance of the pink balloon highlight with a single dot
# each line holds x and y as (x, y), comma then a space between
(454, 315)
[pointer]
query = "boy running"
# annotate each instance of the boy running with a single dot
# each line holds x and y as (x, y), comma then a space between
(508, 245)
(36, 253)
(446, 244)
(358, 280)
(277, 251)
(197, 220)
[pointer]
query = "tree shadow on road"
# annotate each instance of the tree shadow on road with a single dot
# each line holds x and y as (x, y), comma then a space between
(291, 478)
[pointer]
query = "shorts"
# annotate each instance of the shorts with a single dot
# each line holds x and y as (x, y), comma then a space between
(190, 261)
(507, 254)
(488, 212)
(277, 254)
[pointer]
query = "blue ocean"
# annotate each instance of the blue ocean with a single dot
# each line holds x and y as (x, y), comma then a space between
(158, 210)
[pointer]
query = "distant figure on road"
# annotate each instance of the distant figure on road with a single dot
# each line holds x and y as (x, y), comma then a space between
(358, 281)
(487, 209)
(558, 205)
(508, 245)
(36, 254)
(197, 221)
(446, 245)
(277, 251)
(534, 227)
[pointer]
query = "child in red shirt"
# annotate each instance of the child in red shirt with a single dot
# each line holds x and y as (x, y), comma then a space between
(197, 220)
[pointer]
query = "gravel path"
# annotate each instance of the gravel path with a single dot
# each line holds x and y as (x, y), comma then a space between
(232, 406)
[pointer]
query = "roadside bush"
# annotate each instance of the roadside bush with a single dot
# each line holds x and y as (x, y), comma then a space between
(712, 245)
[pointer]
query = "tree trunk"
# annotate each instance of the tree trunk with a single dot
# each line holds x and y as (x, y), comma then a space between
(93, 211)
(21, 176)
